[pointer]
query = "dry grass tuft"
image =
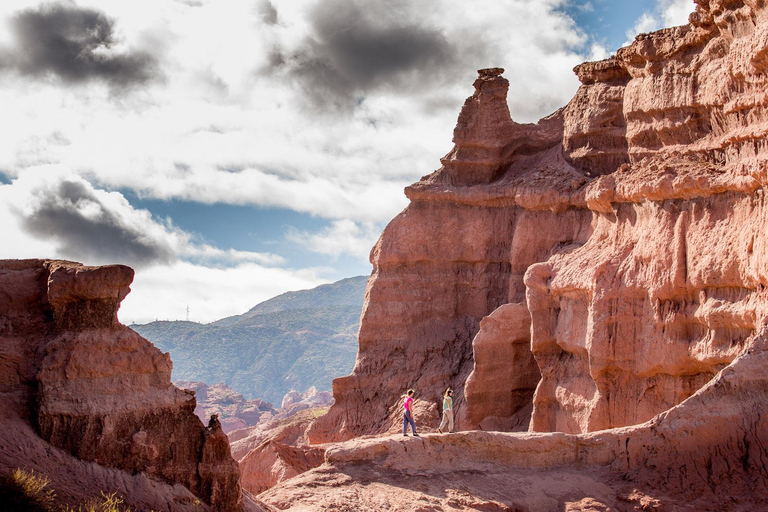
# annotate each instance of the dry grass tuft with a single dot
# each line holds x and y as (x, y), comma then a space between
(26, 491)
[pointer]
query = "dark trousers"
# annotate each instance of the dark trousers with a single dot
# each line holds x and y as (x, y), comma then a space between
(407, 418)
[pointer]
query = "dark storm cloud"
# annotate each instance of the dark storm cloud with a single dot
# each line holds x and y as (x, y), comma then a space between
(360, 46)
(268, 13)
(75, 45)
(86, 230)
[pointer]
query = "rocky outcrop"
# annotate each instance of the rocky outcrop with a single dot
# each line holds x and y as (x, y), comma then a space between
(293, 401)
(276, 451)
(595, 129)
(458, 252)
(668, 286)
(75, 481)
(233, 411)
(273, 462)
(706, 454)
(100, 391)
(497, 398)
(627, 224)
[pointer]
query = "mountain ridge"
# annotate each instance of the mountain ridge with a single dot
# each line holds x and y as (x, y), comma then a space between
(293, 341)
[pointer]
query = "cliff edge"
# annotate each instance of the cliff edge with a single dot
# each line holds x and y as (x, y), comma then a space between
(97, 398)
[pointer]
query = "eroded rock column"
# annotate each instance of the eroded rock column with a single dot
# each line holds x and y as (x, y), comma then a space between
(104, 393)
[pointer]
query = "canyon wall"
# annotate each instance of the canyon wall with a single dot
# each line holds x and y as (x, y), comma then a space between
(626, 226)
(98, 390)
(706, 454)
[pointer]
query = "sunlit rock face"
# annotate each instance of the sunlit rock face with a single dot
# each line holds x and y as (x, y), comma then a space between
(97, 389)
(458, 252)
(626, 228)
(704, 454)
(669, 284)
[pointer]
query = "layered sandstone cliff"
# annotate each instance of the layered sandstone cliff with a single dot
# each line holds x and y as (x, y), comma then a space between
(626, 227)
(706, 454)
(99, 390)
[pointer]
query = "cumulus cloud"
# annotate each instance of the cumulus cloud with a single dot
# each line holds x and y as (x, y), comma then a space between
(88, 227)
(352, 52)
(75, 45)
(342, 237)
(95, 226)
(211, 293)
(676, 12)
(215, 111)
(268, 12)
(360, 45)
(666, 13)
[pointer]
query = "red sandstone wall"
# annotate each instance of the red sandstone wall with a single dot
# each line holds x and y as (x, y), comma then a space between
(101, 391)
(634, 214)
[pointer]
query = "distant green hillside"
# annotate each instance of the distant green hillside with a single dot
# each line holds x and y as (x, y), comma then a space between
(293, 341)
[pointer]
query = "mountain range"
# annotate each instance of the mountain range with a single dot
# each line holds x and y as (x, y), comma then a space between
(293, 341)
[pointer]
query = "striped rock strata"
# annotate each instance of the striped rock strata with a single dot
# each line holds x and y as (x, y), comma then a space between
(96, 389)
(627, 227)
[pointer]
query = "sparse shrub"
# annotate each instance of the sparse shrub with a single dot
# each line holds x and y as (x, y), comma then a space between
(111, 503)
(26, 491)
(319, 411)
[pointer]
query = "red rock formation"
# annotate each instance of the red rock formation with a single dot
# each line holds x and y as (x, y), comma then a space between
(668, 286)
(271, 453)
(458, 252)
(628, 223)
(102, 392)
(497, 398)
(232, 409)
(594, 135)
(706, 454)
(272, 462)
(277, 449)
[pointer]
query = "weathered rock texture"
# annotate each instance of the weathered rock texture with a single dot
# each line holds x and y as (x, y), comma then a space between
(276, 448)
(232, 409)
(628, 224)
(100, 391)
(497, 399)
(706, 454)
(274, 451)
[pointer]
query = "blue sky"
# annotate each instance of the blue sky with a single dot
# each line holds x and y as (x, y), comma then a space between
(607, 21)
(231, 150)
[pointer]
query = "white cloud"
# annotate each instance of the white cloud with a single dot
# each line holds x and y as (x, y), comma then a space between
(81, 222)
(676, 12)
(598, 52)
(214, 283)
(340, 238)
(218, 109)
(666, 13)
(223, 126)
(164, 293)
(16, 243)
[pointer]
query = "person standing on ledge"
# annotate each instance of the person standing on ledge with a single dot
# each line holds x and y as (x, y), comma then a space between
(447, 411)
(408, 414)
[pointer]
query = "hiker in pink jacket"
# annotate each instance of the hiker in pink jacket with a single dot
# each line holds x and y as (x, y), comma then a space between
(408, 414)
